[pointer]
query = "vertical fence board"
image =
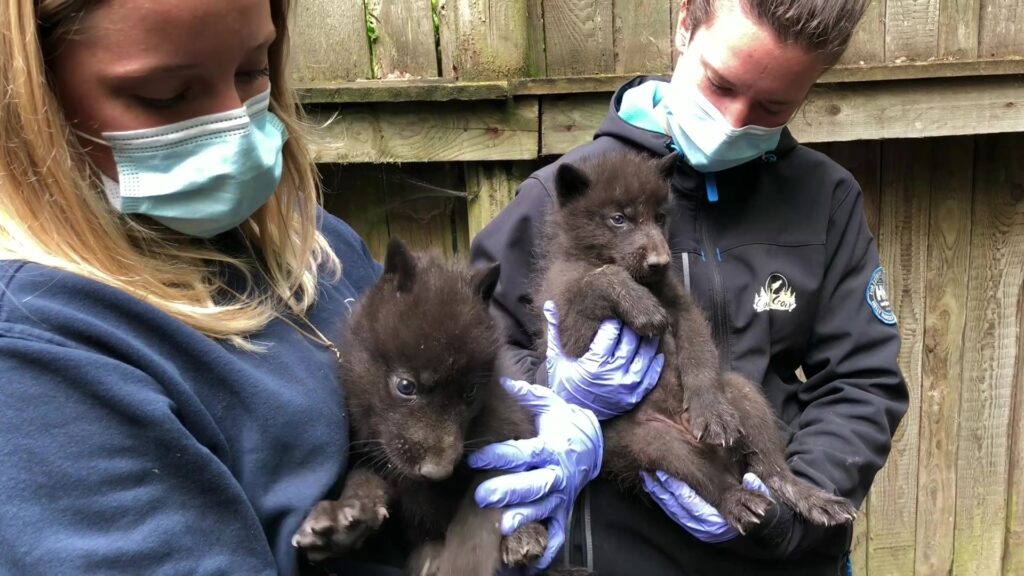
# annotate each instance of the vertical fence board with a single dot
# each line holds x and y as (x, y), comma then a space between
(674, 19)
(579, 37)
(1001, 29)
(405, 41)
(911, 29)
(421, 211)
(491, 186)
(868, 43)
(643, 30)
(536, 51)
(1013, 562)
(995, 277)
(484, 39)
(906, 177)
(958, 28)
(355, 193)
(948, 241)
(329, 42)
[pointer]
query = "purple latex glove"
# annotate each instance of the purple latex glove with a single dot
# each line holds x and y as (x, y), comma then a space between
(615, 374)
(550, 469)
(692, 512)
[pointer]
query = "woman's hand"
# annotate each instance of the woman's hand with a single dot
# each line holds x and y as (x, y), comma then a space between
(612, 377)
(702, 520)
(548, 471)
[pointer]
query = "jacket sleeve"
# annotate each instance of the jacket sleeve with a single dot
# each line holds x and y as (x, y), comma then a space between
(854, 396)
(99, 474)
(514, 238)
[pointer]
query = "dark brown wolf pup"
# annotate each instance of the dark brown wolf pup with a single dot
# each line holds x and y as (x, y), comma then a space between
(420, 372)
(608, 256)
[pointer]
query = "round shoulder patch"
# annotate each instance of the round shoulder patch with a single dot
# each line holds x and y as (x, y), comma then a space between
(878, 297)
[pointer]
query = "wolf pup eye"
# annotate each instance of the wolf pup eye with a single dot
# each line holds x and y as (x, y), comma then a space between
(470, 394)
(403, 386)
(617, 220)
(659, 219)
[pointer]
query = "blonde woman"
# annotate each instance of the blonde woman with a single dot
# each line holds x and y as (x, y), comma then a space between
(170, 296)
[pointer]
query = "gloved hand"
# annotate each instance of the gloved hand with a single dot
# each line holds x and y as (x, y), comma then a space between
(550, 469)
(614, 375)
(692, 512)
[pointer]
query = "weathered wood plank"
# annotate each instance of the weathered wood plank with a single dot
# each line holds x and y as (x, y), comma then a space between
(492, 186)
(405, 39)
(425, 132)
(917, 109)
(578, 37)
(674, 19)
(569, 121)
(996, 276)
(911, 29)
(958, 28)
(536, 50)
(1001, 28)
(329, 42)
(444, 89)
(868, 43)
(420, 211)
(642, 39)
(355, 193)
(484, 39)
(906, 187)
(948, 241)
(1013, 561)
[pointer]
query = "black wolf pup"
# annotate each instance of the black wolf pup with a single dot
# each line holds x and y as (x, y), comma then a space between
(608, 256)
(420, 372)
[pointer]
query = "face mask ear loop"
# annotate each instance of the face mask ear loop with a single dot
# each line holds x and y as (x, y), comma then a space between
(92, 138)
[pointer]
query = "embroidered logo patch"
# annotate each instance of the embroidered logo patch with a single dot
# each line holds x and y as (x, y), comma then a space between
(776, 294)
(878, 297)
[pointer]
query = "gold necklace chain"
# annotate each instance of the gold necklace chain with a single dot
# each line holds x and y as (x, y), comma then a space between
(322, 340)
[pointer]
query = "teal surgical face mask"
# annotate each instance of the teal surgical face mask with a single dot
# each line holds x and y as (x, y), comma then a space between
(202, 176)
(704, 136)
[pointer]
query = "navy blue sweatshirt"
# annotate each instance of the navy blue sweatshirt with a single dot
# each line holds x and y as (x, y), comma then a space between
(132, 444)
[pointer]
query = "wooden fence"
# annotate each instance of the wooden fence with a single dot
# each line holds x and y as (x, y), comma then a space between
(927, 111)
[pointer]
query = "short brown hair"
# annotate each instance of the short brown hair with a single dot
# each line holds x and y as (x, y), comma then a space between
(822, 26)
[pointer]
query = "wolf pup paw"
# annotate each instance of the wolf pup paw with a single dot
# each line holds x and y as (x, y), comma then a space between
(712, 420)
(524, 546)
(335, 528)
(643, 313)
(744, 510)
(813, 504)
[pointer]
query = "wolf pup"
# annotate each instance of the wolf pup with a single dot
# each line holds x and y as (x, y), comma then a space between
(420, 372)
(608, 256)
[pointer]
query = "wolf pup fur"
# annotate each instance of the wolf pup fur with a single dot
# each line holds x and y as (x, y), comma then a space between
(608, 257)
(420, 372)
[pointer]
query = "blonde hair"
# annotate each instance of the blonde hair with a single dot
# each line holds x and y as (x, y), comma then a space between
(54, 213)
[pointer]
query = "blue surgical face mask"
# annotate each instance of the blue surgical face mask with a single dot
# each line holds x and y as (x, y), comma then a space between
(703, 135)
(202, 176)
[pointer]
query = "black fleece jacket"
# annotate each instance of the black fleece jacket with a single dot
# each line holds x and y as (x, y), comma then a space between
(788, 274)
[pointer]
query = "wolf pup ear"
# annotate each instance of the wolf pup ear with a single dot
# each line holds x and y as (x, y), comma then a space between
(485, 280)
(667, 165)
(400, 264)
(571, 184)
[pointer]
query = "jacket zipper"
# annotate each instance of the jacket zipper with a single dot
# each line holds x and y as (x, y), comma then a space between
(719, 313)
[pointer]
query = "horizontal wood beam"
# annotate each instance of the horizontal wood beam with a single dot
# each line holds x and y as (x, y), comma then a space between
(426, 132)
(527, 127)
(444, 89)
